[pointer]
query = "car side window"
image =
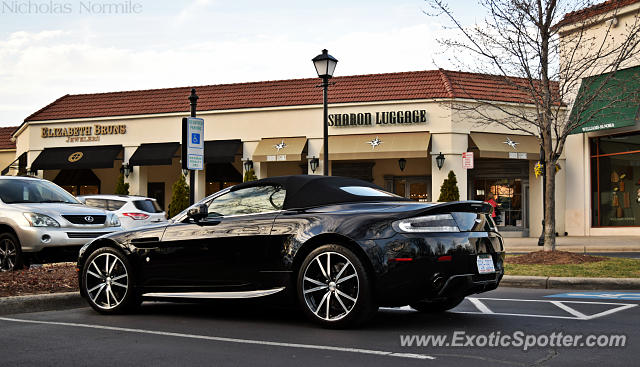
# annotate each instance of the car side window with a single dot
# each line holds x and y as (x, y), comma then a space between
(116, 204)
(251, 200)
(96, 203)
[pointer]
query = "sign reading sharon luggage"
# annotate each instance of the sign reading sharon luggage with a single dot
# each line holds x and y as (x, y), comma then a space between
(192, 143)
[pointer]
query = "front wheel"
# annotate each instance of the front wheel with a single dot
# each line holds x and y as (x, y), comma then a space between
(334, 288)
(108, 283)
(11, 257)
(437, 306)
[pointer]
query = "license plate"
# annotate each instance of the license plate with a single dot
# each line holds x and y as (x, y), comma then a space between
(485, 264)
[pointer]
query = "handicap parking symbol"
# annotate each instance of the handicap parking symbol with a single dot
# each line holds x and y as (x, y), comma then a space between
(195, 138)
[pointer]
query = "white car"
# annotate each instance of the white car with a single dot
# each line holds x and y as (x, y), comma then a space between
(133, 211)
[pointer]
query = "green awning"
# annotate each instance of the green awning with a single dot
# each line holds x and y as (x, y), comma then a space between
(607, 101)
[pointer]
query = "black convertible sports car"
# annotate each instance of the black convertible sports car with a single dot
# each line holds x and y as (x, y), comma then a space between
(342, 246)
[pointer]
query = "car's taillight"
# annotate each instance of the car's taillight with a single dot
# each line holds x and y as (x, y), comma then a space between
(136, 216)
(429, 223)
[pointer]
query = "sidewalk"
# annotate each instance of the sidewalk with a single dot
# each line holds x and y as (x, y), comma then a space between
(577, 244)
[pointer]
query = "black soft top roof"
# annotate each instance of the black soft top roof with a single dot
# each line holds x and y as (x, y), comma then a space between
(305, 191)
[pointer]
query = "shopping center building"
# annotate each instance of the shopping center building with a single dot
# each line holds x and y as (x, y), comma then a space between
(603, 155)
(383, 128)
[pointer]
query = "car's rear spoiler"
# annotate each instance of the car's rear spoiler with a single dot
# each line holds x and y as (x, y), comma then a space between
(469, 206)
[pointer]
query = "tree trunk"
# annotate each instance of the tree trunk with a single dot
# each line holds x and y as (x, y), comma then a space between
(550, 205)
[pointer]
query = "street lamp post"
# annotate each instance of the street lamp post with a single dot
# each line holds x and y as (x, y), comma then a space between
(193, 101)
(325, 66)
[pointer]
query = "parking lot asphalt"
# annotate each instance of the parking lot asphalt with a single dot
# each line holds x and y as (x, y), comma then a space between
(258, 333)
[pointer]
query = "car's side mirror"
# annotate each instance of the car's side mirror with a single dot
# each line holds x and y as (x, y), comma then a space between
(198, 212)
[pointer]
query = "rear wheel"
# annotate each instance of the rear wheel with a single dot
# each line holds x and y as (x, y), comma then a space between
(108, 283)
(437, 306)
(10, 253)
(334, 288)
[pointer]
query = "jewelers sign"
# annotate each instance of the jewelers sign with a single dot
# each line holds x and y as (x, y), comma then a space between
(467, 160)
(83, 133)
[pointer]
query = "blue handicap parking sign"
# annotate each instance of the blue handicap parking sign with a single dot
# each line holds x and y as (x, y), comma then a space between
(626, 296)
(195, 138)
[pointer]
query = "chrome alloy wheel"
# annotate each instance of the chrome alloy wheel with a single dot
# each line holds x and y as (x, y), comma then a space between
(8, 255)
(106, 281)
(330, 286)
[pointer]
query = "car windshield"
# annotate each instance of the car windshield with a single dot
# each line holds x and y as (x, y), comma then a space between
(33, 191)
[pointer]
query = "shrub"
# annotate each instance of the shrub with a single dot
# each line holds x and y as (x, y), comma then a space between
(179, 197)
(449, 189)
(250, 175)
(122, 188)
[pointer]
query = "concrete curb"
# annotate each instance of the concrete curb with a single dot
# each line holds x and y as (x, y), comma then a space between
(41, 302)
(519, 281)
(577, 249)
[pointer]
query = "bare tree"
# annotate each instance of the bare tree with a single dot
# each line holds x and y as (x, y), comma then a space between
(520, 45)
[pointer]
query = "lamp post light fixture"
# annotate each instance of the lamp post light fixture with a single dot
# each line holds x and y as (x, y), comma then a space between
(402, 163)
(125, 169)
(313, 163)
(440, 160)
(248, 165)
(325, 66)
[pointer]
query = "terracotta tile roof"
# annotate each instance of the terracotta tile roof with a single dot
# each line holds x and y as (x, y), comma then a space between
(295, 92)
(592, 11)
(5, 137)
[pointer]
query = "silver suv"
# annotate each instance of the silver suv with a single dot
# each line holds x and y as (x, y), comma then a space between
(37, 215)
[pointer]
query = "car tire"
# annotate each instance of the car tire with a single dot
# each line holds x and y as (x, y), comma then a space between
(107, 282)
(437, 306)
(11, 257)
(334, 288)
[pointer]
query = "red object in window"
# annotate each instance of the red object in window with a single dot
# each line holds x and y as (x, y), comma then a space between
(136, 216)
(445, 258)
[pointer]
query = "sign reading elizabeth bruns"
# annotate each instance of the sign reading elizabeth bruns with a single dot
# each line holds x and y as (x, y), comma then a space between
(83, 133)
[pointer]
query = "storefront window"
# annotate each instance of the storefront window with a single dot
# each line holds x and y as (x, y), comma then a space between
(508, 194)
(414, 188)
(615, 180)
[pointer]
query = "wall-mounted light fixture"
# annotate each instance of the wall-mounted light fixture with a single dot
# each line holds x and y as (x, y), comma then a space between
(402, 163)
(248, 165)
(440, 160)
(125, 169)
(313, 163)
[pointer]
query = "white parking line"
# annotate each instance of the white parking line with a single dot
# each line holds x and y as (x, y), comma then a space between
(483, 309)
(576, 315)
(479, 305)
(227, 340)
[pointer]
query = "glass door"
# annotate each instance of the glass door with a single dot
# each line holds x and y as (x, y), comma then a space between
(414, 188)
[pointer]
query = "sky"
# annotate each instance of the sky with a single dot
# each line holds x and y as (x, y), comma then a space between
(49, 48)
